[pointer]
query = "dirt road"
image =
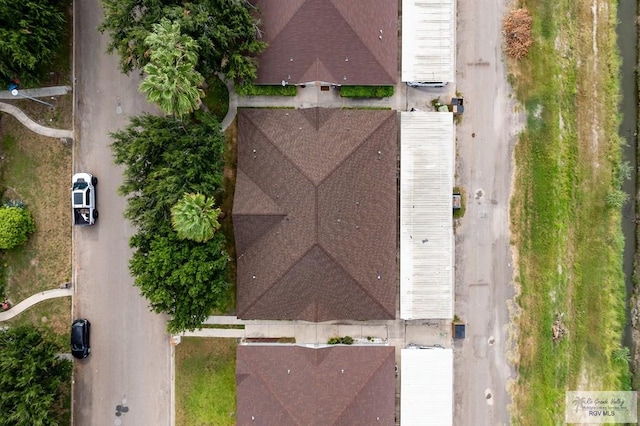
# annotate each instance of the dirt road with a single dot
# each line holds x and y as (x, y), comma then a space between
(485, 141)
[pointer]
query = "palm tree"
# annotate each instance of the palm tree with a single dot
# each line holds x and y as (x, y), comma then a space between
(194, 217)
(172, 81)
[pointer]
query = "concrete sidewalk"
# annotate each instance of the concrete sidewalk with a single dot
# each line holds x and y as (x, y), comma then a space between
(32, 300)
(404, 98)
(40, 92)
(393, 332)
(32, 125)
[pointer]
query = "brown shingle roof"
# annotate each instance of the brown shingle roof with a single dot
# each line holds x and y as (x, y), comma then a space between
(292, 385)
(315, 214)
(328, 40)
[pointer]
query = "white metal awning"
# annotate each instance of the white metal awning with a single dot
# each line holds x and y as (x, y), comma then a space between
(428, 40)
(426, 394)
(426, 215)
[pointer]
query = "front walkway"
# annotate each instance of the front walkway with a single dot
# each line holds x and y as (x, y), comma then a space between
(398, 333)
(32, 300)
(32, 125)
(312, 95)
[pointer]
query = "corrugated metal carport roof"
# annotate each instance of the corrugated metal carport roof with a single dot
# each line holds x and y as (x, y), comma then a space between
(426, 215)
(426, 395)
(428, 40)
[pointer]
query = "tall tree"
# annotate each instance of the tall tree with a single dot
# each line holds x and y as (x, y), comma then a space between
(195, 217)
(165, 158)
(30, 32)
(172, 81)
(180, 277)
(31, 377)
(226, 31)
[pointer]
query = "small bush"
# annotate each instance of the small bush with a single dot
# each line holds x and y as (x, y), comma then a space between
(366, 91)
(16, 225)
(617, 198)
(260, 90)
(346, 340)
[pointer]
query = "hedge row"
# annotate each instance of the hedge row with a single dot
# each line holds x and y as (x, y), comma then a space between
(366, 91)
(260, 90)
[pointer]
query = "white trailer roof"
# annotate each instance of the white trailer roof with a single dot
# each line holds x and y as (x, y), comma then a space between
(428, 40)
(426, 215)
(426, 389)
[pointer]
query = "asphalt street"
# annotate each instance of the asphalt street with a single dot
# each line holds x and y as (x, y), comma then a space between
(126, 379)
(485, 141)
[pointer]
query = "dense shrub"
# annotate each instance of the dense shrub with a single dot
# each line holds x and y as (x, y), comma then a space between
(261, 90)
(346, 340)
(366, 91)
(16, 225)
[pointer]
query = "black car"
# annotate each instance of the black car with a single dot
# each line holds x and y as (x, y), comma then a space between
(80, 331)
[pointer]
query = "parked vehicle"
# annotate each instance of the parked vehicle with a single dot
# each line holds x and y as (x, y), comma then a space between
(83, 198)
(80, 336)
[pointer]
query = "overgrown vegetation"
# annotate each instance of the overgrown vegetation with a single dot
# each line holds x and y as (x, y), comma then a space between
(226, 32)
(32, 378)
(206, 382)
(165, 158)
(366, 91)
(249, 89)
(30, 33)
(567, 235)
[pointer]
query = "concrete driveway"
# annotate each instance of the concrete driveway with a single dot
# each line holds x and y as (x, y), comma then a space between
(485, 141)
(126, 379)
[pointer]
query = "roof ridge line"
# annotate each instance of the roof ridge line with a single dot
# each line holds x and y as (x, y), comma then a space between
(341, 162)
(273, 284)
(365, 383)
(274, 394)
(268, 139)
(365, 291)
(393, 78)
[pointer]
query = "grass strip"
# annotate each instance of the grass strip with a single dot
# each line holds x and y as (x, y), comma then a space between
(205, 381)
(567, 239)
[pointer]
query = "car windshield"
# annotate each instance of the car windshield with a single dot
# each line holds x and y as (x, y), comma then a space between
(80, 184)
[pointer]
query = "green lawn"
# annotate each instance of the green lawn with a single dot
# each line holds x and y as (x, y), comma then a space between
(567, 239)
(37, 170)
(205, 382)
(217, 97)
